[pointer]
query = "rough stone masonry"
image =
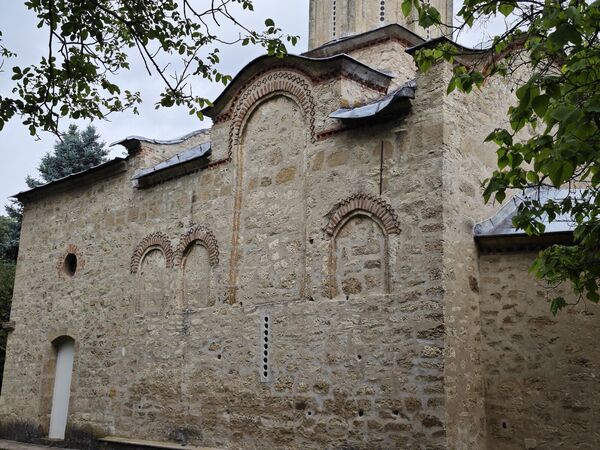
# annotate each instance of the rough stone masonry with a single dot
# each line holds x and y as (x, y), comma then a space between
(302, 275)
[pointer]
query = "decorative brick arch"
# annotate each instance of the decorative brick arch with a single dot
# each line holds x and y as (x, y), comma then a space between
(71, 250)
(368, 204)
(205, 237)
(291, 84)
(155, 240)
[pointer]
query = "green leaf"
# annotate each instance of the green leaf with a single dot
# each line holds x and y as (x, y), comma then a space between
(557, 304)
(406, 7)
(540, 105)
(506, 8)
(560, 172)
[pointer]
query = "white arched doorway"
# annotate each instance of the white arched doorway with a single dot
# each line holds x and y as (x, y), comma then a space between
(65, 350)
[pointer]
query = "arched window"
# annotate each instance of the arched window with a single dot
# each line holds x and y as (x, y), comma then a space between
(149, 260)
(359, 250)
(197, 254)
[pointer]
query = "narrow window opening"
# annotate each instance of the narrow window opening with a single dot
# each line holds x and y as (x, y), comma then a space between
(70, 264)
(265, 368)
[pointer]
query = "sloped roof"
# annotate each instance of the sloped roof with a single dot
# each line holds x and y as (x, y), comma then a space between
(101, 171)
(316, 66)
(345, 44)
(181, 164)
(498, 232)
(378, 107)
(132, 143)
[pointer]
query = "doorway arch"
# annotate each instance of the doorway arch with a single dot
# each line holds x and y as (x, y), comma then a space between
(64, 347)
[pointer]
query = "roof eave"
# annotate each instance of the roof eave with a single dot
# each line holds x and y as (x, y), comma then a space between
(333, 64)
(356, 41)
(85, 178)
(169, 173)
(522, 242)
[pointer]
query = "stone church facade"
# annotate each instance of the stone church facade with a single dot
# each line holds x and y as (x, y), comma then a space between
(317, 270)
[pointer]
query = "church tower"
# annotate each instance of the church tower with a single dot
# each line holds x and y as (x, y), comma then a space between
(334, 19)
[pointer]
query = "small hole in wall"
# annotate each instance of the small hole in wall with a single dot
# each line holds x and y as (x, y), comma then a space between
(218, 356)
(361, 413)
(395, 412)
(265, 373)
(309, 413)
(347, 297)
(504, 425)
(359, 357)
(70, 265)
(311, 240)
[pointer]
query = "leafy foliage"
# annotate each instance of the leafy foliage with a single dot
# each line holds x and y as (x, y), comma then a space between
(10, 232)
(7, 278)
(90, 43)
(556, 44)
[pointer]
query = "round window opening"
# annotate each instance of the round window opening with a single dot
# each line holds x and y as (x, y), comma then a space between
(70, 264)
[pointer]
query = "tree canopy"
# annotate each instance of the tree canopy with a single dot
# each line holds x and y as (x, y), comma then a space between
(559, 102)
(7, 279)
(76, 152)
(90, 42)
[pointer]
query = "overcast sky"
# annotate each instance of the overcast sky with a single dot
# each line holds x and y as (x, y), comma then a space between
(20, 153)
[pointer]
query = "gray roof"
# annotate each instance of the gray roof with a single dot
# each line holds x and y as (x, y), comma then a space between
(180, 164)
(358, 40)
(406, 91)
(101, 171)
(317, 66)
(501, 223)
(132, 142)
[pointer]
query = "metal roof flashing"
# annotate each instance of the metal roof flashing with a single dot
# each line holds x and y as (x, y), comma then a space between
(360, 40)
(133, 143)
(379, 107)
(319, 66)
(183, 163)
(86, 177)
(498, 230)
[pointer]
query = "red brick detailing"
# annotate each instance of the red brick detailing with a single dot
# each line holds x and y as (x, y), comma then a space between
(155, 240)
(71, 250)
(374, 43)
(369, 204)
(293, 84)
(205, 237)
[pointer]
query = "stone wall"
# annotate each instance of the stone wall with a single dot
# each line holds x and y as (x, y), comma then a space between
(390, 57)
(541, 372)
(335, 19)
(467, 120)
(167, 353)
